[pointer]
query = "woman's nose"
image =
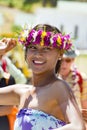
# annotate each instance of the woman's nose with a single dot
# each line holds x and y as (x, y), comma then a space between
(39, 52)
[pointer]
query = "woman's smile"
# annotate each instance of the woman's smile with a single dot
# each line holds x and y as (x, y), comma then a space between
(36, 62)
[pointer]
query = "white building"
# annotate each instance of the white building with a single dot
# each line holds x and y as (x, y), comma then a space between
(70, 17)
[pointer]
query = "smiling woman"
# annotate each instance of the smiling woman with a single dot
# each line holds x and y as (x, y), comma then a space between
(49, 102)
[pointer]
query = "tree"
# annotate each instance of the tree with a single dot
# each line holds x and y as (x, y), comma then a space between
(53, 3)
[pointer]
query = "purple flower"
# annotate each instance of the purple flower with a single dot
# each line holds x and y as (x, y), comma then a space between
(58, 40)
(38, 37)
(47, 39)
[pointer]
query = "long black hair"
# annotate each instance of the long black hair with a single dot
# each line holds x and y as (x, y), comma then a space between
(57, 67)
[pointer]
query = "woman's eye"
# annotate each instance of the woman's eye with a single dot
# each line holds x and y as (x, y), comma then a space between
(32, 47)
(47, 49)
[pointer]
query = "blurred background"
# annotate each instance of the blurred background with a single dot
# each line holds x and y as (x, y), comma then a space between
(69, 16)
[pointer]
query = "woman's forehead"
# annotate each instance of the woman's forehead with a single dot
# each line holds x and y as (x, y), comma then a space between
(39, 46)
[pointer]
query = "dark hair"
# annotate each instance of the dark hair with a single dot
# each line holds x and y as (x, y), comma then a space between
(57, 68)
(47, 28)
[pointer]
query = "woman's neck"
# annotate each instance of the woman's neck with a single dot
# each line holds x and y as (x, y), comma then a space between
(42, 80)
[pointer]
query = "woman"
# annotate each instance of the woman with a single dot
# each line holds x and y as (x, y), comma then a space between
(48, 103)
(7, 113)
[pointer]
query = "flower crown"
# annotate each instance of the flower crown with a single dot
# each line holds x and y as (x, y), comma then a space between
(44, 38)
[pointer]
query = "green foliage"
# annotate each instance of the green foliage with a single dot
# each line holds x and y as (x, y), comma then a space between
(16, 29)
(27, 8)
(30, 1)
(11, 4)
(77, 0)
(24, 5)
(51, 3)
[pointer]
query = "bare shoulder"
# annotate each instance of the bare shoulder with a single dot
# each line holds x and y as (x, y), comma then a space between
(22, 88)
(62, 85)
(62, 89)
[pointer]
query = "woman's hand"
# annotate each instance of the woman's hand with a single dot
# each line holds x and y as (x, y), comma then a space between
(6, 44)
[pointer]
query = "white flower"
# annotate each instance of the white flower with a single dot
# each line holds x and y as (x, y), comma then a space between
(25, 34)
(35, 35)
(51, 41)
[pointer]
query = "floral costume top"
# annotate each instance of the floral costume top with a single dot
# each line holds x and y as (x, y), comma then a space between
(31, 119)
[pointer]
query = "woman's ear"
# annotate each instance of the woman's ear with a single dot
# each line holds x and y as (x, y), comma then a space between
(59, 58)
(60, 55)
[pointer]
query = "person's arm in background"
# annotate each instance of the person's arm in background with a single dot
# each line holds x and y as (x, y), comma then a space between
(84, 100)
(15, 72)
(6, 44)
(84, 114)
(4, 110)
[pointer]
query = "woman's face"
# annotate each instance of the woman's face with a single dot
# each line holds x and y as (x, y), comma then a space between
(66, 66)
(42, 58)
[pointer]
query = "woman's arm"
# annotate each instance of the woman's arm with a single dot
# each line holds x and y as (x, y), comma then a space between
(74, 117)
(11, 95)
(70, 110)
(5, 110)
